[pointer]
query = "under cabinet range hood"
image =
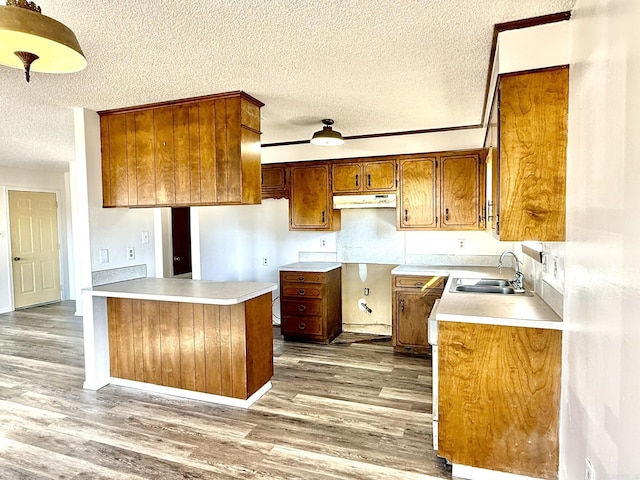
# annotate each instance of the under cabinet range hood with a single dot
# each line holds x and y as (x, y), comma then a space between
(364, 201)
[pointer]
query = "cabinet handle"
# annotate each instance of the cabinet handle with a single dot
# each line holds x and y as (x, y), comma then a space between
(369, 180)
(356, 179)
(419, 284)
(301, 292)
(301, 308)
(446, 214)
(323, 216)
(301, 279)
(302, 326)
(406, 215)
(402, 305)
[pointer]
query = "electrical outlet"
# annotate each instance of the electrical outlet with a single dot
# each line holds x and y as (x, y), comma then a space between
(462, 243)
(145, 237)
(265, 262)
(589, 471)
(104, 255)
(323, 243)
(131, 253)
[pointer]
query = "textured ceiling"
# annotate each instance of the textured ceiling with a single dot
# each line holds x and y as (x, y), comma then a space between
(374, 66)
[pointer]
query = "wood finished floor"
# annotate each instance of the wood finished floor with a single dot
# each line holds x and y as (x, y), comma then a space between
(355, 411)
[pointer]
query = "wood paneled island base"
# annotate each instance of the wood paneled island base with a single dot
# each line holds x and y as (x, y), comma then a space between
(220, 353)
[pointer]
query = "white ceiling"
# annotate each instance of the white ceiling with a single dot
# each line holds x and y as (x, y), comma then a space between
(374, 66)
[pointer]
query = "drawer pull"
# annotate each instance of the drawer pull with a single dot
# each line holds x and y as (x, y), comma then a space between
(419, 284)
(357, 180)
(301, 308)
(301, 292)
(302, 326)
(301, 279)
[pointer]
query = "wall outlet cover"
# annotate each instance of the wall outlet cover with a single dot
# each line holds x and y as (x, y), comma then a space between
(131, 253)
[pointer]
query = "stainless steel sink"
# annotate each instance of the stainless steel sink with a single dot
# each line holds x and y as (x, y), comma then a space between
(498, 286)
(485, 289)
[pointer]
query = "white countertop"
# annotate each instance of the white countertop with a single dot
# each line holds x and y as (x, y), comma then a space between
(492, 309)
(184, 290)
(310, 267)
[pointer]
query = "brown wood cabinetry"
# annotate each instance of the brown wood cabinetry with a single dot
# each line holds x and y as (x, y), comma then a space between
(311, 305)
(442, 191)
(529, 191)
(499, 397)
(462, 191)
(371, 176)
(412, 300)
(310, 203)
(417, 193)
(198, 151)
(218, 349)
(274, 181)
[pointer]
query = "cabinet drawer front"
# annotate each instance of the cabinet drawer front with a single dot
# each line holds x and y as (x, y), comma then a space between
(301, 325)
(426, 283)
(302, 290)
(302, 277)
(301, 307)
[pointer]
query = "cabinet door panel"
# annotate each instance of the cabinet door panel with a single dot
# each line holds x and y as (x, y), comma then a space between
(309, 205)
(412, 312)
(460, 192)
(379, 176)
(208, 170)
(145, 158)
(165, 162)
(182, 155)
(346, 177)
(221, 149)
(418, 194)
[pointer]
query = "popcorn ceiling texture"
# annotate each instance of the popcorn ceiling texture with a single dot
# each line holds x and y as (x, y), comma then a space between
(372, 65)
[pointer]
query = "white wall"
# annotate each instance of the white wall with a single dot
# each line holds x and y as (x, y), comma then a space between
(36, 180)
(96, 228)
(601, 385)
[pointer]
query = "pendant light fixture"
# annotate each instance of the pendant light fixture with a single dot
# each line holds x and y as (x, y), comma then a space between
(32, 41)
(327, 137)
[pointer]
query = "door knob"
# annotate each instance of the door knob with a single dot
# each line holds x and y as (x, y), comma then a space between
(16, 259)
(176, 259)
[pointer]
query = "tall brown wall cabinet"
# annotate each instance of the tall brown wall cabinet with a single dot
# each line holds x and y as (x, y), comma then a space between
(198, 151)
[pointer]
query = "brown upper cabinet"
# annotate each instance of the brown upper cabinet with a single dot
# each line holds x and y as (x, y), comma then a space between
(274, 181)
(197, 151)
(529, 181)
(310, 202)
(442, 191)
(377, 176)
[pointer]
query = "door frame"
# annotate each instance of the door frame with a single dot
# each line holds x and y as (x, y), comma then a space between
(62, 239)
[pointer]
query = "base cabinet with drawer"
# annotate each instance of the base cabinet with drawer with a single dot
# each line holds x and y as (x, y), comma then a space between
(412, 300)
(311, 305)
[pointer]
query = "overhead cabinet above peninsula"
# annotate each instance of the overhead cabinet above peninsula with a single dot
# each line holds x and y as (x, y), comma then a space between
(197, 151)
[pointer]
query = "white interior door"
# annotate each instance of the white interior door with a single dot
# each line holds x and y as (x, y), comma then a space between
(33, 219)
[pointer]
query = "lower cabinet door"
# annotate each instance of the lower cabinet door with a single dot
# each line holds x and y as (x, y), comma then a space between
(301, 325)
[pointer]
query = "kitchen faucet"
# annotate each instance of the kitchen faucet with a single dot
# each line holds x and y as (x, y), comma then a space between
(518, 279)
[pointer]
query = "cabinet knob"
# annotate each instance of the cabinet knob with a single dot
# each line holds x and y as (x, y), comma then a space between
(301, 292)
(301, 279)
(301, 308)
(302, 326)
(419, 284)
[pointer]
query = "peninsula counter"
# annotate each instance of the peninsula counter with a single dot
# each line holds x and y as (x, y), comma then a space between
(209, 341)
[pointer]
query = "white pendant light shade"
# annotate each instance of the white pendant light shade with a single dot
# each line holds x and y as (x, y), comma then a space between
(35, 42)
(327, 137)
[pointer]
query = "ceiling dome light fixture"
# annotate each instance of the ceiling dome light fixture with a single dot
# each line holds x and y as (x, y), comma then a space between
(327, 137)
(36, 42)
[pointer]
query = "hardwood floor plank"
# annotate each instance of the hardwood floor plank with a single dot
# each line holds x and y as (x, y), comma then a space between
(344, 411)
